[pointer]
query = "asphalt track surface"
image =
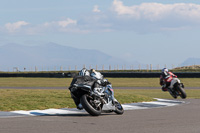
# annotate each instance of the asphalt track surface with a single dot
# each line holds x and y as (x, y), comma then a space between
(183, 118)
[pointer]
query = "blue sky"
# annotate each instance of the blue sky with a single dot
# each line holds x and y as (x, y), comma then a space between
(150, 32)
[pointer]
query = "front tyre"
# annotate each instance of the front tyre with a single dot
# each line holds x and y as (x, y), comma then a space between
(118, 108)
(90, 106)
(182, 92)
(173, 94)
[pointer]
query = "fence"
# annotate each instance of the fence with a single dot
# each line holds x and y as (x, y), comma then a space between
(147, 67)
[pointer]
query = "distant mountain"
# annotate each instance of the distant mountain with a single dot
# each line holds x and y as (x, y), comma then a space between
(53, 55)
(191, 61)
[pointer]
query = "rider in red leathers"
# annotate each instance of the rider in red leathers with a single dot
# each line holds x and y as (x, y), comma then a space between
(165, 79)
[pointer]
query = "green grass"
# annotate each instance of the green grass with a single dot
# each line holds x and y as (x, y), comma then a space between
(157, 93)
(150, 82)
(32, 99)
(34, 82)
(64, 82)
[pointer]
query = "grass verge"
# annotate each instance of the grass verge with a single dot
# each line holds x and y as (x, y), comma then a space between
(31, 99)
(64, 82)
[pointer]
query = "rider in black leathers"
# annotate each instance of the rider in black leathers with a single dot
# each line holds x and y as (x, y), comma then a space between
(96, 79)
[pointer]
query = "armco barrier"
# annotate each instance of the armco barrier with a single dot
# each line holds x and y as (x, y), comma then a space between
(150, 75)
(106, 74)
(36, 75)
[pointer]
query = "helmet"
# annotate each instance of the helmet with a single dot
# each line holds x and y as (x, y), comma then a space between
(84, 72)
(96, 75)
(164, 70)
(92, 70)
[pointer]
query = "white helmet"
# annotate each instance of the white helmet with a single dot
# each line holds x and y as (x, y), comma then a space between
(84, 72)
(165, 72)
(96, 75)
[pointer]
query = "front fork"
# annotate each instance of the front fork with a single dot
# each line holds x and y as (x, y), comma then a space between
(182, 85)
(174, 81)
(173, 86)
(176, 90)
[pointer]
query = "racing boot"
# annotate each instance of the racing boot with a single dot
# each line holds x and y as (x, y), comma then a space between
(80, 107)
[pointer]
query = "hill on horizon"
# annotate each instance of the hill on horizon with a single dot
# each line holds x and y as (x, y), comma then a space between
(53, 55)
(191, 62)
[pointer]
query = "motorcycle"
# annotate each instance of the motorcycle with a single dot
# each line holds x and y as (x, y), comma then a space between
(81, 90)
(177, 89)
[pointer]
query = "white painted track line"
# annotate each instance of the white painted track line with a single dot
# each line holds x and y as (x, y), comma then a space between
(67, 111)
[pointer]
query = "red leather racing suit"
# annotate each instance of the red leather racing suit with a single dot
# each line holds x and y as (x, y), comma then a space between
(165, 80)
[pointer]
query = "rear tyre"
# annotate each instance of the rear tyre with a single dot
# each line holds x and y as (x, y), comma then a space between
(182, 92)
(118, 108)
(90, 106)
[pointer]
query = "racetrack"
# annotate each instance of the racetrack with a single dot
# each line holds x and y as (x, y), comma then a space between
(183, 118)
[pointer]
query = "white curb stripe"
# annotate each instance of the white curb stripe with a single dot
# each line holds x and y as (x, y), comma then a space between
(155, 104)
(133, 106)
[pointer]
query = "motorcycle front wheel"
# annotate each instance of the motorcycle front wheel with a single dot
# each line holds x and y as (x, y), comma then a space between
(182, 92)
(172, 94)
(118, 108)
(90, 106)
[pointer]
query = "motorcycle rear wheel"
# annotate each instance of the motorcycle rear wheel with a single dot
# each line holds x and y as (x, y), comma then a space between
(119, 109)
(182, 92)
(90, 106)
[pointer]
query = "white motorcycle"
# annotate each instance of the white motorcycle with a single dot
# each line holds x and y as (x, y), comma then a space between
(176, 89)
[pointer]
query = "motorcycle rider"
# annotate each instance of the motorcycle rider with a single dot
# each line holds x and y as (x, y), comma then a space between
(166, 78)
(83, 72)
(99, 84)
